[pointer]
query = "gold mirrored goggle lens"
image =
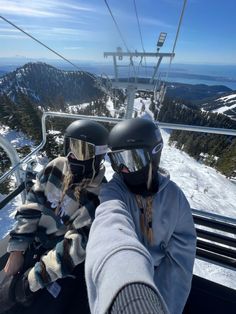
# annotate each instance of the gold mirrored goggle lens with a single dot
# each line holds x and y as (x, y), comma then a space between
(82, 150)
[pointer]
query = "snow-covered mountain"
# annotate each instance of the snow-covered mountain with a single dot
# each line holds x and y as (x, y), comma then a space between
(216, 98)
(43, 83)
(225, 105)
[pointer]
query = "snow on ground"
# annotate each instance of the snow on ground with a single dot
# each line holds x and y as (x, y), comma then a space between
(7, 215)
(110, 107)
(139, 103)
(78, 107)
(224, 108)
(17, 139)
(204, 187)
(226, 98)
(229, 99)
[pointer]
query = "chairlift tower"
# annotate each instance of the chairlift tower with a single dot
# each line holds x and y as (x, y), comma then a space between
(134, 84)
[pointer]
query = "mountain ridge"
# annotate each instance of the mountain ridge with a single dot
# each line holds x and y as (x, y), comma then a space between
(43, 83)
(50, 87)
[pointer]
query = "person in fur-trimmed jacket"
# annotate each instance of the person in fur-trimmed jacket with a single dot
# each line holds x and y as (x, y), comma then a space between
(54, 222)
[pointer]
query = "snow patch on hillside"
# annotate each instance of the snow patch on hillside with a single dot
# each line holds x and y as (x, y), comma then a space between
(225, 108)
(17, 139)
(226, 98)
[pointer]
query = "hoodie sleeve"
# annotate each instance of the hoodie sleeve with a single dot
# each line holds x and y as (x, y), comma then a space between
(27, 217)
(29, 214)
(114, 257)
(61, 260)
(174, 274)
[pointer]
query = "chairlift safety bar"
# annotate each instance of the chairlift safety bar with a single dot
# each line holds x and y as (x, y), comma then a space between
(162, 125)
(209, 243)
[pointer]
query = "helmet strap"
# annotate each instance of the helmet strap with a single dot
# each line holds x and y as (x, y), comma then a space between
(149, 180)
(94, 170)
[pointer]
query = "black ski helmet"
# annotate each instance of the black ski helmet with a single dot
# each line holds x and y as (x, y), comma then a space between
(89, 131)
(137, 133)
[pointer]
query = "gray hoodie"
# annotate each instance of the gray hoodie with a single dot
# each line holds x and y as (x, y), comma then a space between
(115, 258)
(174, 237)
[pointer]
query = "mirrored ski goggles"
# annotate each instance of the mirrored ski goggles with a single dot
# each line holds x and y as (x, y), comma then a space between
(129, 160)
(132, 160)
(84, 150)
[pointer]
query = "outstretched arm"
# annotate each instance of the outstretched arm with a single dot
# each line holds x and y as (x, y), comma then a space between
(23, 233)
(115, 259)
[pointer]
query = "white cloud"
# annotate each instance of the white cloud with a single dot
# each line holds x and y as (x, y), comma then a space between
(72, 48)
(154, 22)
(70, 31)
(23, 11)
(76, 7)
(8, 30)
(43, 8)
(7, 36)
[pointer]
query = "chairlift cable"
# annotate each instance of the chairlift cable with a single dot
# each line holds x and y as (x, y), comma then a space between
(122, 37)
(117, 26)
(140, 34)
(180, 22)
(176, 37)
(41, 43)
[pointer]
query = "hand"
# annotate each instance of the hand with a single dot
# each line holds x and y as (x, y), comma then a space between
(6, 294)
(93, 198)
(14, 263)
(15, 290)
(23, 294)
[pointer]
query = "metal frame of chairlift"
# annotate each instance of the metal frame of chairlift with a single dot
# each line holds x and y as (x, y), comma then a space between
(134, 84)
(216, 235)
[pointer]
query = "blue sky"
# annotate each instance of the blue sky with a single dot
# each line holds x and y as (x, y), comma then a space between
(83, 30)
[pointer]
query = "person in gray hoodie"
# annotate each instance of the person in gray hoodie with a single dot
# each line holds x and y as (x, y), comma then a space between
(119, 276)
(159, 209)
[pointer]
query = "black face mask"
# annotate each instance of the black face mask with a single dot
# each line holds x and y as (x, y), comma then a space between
(137, 182)
(80, 169)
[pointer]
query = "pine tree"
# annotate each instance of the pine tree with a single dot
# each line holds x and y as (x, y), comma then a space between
(29, 116)
(5, 164)
(52, 148)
